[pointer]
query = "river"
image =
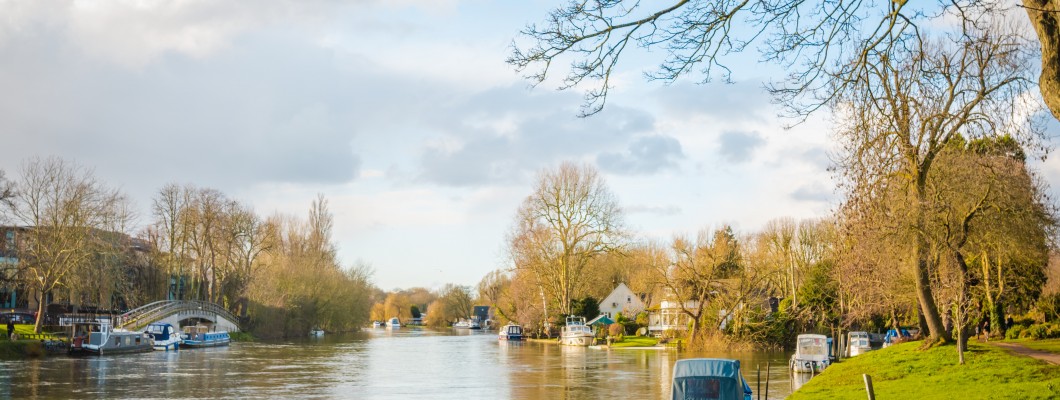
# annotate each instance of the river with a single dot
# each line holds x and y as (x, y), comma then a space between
(375, 364)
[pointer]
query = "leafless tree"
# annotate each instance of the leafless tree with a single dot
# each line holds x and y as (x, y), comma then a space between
(71, 219)
(571, 218)
(821, 43)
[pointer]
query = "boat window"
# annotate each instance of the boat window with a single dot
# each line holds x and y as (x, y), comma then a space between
(117, 341)
(812, 347)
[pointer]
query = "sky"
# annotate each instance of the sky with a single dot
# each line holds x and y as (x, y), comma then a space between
(402, 113)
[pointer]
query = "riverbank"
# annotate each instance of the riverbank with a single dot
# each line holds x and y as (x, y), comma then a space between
(905, 371)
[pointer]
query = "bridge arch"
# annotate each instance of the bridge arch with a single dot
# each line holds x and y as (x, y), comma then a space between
(175, 311)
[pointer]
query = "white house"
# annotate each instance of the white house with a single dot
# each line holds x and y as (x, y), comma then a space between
(670, 316)
(621, 300)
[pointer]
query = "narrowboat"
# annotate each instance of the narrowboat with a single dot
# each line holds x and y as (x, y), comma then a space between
(115, 341)
(200, 336)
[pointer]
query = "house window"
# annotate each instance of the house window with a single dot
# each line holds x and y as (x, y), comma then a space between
(629, 299)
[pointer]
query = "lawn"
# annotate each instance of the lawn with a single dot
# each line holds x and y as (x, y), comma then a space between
(905, 371)
(636, 341)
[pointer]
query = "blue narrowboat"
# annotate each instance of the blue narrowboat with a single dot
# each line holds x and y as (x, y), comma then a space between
(200, 336)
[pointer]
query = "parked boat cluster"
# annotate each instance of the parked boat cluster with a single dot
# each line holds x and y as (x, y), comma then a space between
(99, 337)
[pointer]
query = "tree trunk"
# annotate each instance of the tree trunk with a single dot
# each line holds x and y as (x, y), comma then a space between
(1045, 17)
(40, 311)
(928, 309)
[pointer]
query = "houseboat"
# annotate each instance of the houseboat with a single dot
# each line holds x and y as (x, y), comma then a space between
(511, 331)
(164, 336)
(201, 336)
(115, 341)
(709, 378)
(858, 343)
(393, 323)
(576, 333)
(811, 353)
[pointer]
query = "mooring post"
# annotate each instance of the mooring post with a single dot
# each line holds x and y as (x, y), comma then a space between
(759, 389)
(868, 386)
(767, 380)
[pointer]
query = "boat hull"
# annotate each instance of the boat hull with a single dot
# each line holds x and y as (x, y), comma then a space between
(167, 346)
(579, 340)
(206, 343)
(806, 366)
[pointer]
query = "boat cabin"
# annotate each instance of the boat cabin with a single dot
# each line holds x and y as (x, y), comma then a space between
(811, 353)
(858, 343)
(709, 378)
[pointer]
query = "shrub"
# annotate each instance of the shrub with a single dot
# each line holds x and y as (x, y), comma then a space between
(615, 330)
(1014, 332)
(1041, 331)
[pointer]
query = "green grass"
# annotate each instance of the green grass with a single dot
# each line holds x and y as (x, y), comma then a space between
(636, 341)
(1050, 345)
(905, 371)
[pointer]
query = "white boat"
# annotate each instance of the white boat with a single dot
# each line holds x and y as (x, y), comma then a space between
(512, 331)
(858, 343)
(811, 354)
(462, 324)
(473, 324)
(377, 324)
(201, 336)
(164, 336)
(115, 341)
(316, 332)
(393, 323)
(576, 333)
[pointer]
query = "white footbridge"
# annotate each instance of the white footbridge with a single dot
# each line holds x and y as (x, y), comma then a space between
(175, 311)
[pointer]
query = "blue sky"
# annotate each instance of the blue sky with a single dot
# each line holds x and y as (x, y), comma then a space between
(402, 113)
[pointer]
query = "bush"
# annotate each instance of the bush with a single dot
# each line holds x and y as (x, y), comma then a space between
(1014, 332)
(616, 330)
(1049, 305)
(1040, 331)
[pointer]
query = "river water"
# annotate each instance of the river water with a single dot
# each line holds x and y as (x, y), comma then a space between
(375, 364)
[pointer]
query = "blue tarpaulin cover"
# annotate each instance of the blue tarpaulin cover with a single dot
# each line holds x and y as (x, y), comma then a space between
(709, 378)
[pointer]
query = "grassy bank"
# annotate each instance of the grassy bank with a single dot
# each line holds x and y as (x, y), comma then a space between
(905, 371)
(636, 341)
(242, 337)
(20, 349)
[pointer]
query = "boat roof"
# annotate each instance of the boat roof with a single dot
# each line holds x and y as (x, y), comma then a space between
(812, 336)
(716, 367)
(602, 319)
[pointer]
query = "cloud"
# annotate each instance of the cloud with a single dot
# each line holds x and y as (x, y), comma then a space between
(738, 147)
(662, 211)
(746, 101)
(813, 192)
(646, 155)
(507, 134)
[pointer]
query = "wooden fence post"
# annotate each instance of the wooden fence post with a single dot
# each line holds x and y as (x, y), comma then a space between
(868, 386)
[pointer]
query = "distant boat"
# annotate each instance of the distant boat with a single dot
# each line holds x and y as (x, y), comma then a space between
(709, 378)
(858, 343)
(200, 336)
(164, 336)
(576, 333)
(462, 324)
(511, 332)
(473, 324)
(811, 353)
(116, 341)
(393, 323)
(316, 332)
(377, 324)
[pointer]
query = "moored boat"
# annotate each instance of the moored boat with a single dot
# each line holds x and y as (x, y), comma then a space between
(116, 341)
(201, 336)
(858, 343)
(576, 333)
(377, 324)
(316, 332)
(512, 331)
(164, 336)
(709, 378)
(462, 324)
(811, 353)
(393, 323)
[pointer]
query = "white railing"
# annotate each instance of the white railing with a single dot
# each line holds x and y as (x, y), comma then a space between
(142, 316)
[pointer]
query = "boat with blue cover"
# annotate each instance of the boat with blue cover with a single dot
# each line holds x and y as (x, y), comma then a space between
(709, 378)
(201, 336)
(164, 336)
(512, 331)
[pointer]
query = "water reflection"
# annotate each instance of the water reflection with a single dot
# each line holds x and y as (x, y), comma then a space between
(379, 363)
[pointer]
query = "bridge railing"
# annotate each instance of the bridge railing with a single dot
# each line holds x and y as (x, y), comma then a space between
(142, 316)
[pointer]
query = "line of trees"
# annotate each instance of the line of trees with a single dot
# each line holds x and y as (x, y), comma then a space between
(75, 246)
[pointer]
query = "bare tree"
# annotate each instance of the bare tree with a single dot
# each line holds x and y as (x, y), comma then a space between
(70, 217)
(820, 43)
(571, 218)
(698, 271)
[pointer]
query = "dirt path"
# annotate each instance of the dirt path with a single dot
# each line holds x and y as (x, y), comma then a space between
(1017, 348)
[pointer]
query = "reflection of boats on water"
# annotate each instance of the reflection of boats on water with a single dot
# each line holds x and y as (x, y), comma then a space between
(164, 336)
(709, 378)
(576, 333)
(511, 332)
(811, 353)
